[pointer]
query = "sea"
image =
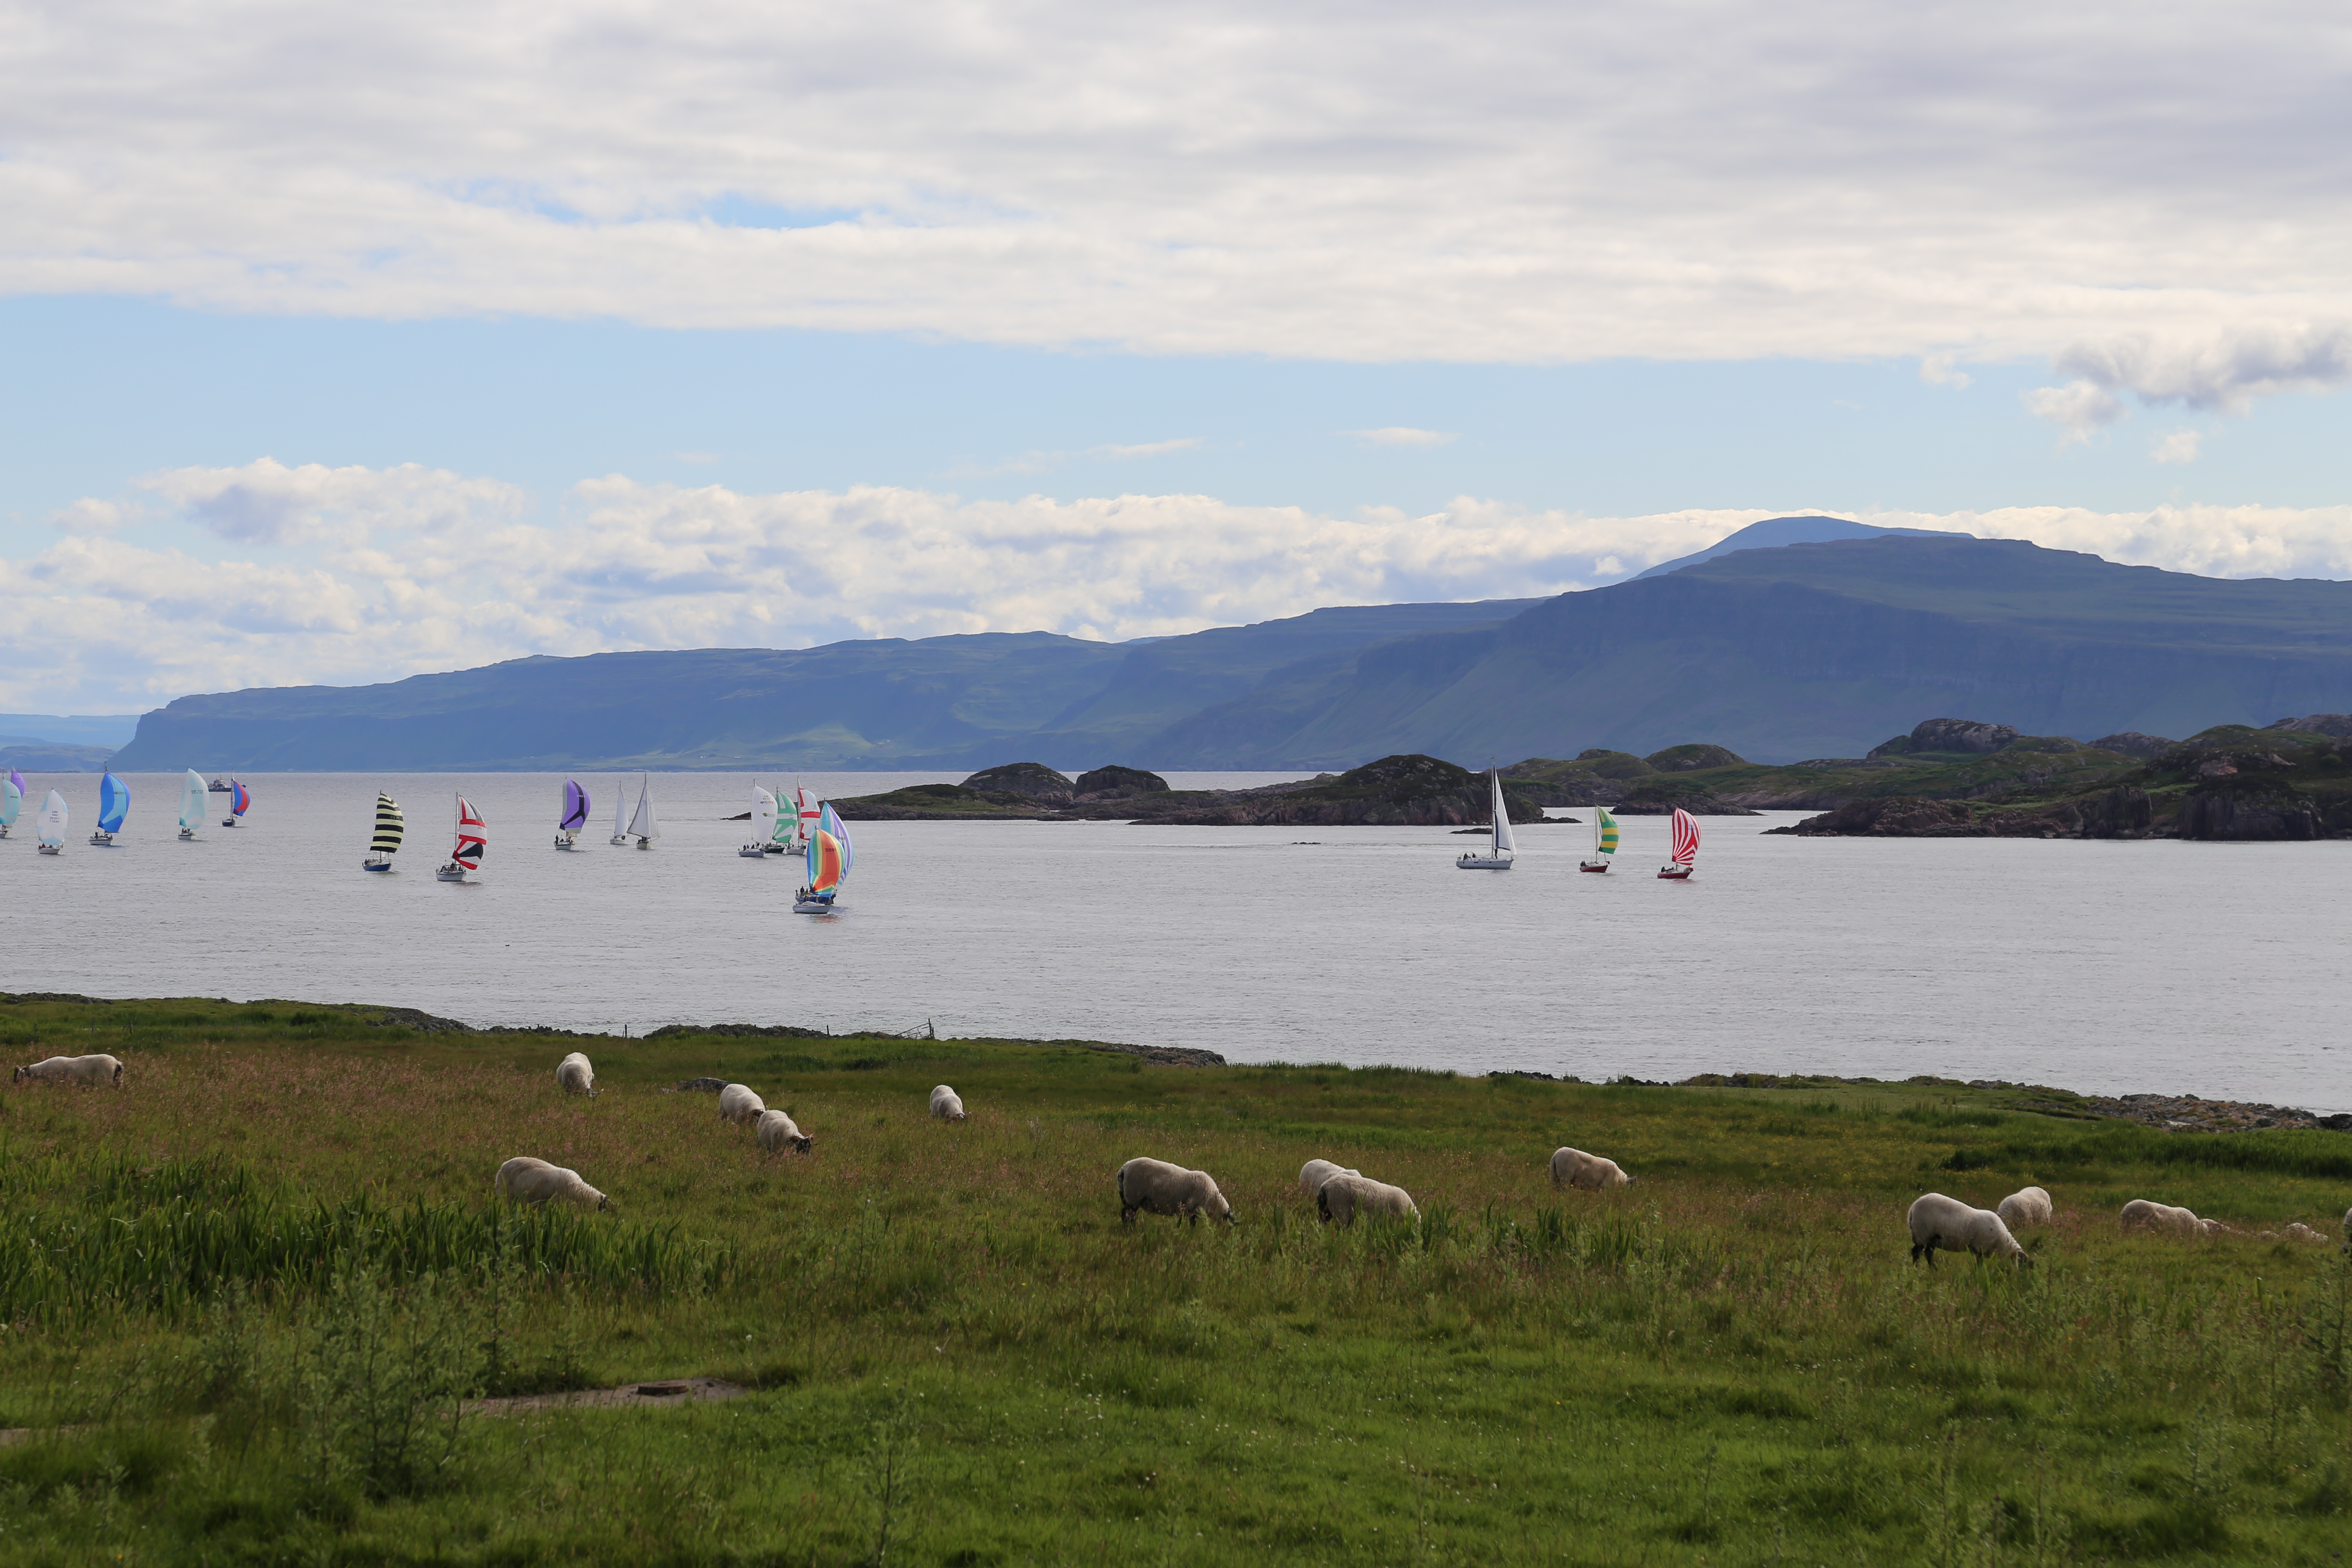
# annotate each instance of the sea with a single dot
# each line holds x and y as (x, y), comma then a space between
(2209, 968)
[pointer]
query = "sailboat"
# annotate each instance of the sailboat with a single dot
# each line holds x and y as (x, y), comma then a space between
(644, 827)
(1678, 869)
(113, 806)
(471, 844)
(783, 837)
(390, 827)
(240, 801)
(49, 827)
(576, 805)
(763, 825)
(1498, 856)
(1604, 840)
(805, 812)
(619, 813)
(195, 804)
(12, 800)
(830, 857)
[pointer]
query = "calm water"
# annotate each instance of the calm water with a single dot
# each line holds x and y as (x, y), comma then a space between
(2212, 968)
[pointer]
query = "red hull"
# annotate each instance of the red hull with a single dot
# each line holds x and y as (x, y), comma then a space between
(1593, 869)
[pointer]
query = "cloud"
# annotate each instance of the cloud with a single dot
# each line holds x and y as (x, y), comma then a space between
(2080, 408)
(2177, 446)
(1525, 183)
(266, 503)
(101, 624)
(91, 516)
(1403, 435)
(1148, 450)
(1937, 369)
(2224, 373)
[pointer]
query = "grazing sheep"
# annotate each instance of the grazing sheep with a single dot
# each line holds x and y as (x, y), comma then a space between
(1315, 1173)
(2028, 1205)
(1575, 1168)
(2141, 1214)
(2302, 1232)
(524, 1179)
(574, 1076)
(1342, 1198)
(1938, 1221)
(947, 1104)
(88, 1072)
(2215, 1227)
(1156, 1186)
(778, 1130)
(738, 1104)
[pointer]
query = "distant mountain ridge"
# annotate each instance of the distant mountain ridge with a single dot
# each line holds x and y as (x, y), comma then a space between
(1780, 652)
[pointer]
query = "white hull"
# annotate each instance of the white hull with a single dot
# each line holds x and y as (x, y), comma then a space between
(452, 873)
(188, 833)
(565, 841)
(102, 840)
(619, 838)
(1481, 863)
(645, 843)
(752, 852)
(815, 907)
(51, 848)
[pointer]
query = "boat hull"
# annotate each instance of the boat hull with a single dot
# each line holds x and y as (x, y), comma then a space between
(564, 841)
(1588, 866)
(1481, 863)
(51, 848)
(752, 852)
(102, 840)
(450, 874)
(375, 864)
(1674, 873)
(188, 833)
(813, 907)
(618, 839)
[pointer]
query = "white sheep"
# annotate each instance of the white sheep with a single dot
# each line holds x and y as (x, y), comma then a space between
(2027, 1205)
(88, 1072)
(1936, 1221)
(947, 1104)
(573, 1075)
(524, 1179)
(1575, 1168)
(1315, 1173)
(1156, 1186)
(778, 1130)
(1342, 1198)
(2141, 1214)
(2302, 1232)
(738, 1104)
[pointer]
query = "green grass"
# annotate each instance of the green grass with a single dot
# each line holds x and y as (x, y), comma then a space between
(271, 1261)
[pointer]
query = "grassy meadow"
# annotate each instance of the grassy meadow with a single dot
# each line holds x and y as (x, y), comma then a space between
(244, 1298)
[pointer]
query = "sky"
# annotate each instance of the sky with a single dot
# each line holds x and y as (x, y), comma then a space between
(340, 343)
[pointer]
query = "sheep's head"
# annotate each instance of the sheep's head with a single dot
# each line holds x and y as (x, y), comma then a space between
(802, 1144)
(21, 1074)
(118, 1075)
(1217, 1208)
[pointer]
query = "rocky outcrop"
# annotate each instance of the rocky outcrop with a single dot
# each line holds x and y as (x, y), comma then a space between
(1405, 790)
(1034, 780)
(2131, 743)
(2123, 812)
(2336, 725)
(2268, 810)
(1893, 816)
(1691, 758)
(1947, 735)
(1116, 782)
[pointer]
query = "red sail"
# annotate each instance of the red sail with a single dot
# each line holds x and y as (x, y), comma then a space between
(471, 844)
(1686, 836)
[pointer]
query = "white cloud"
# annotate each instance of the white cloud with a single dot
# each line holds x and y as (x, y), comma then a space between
(1403, 435)
(2177, 446)
(2225, 373)
(89, 515)
(1147, 449)
(1937, 369)
(385, 588)
(1511, 182)
(2079, 408)
(266, 503)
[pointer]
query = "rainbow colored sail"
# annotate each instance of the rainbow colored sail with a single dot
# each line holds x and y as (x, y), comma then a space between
(826, 864)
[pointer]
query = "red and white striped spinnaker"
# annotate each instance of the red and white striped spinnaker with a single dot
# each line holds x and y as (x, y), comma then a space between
(471, 839)
(1685, 837)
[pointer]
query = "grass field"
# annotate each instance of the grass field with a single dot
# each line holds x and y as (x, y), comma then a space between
(242, 1298)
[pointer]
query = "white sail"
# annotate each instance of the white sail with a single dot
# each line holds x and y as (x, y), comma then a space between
(620, 812)
(644, 825)
(194, 806)
(1502, 815)
(49, 827)
(763, 816)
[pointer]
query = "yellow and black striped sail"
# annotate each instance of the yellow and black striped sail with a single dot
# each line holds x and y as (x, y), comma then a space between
(389, 825)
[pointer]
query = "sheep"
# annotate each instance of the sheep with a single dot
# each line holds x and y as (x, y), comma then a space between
(1315, 1173)
(2302, 1232)
(1156, 1186)
(738, 1104)
(1936, 1221)
(1575, 1168)
(2215, 1227)
(947, 1104)
(1343, 1197)
(2141, 1214)
(2027, 1205)
(778, 1130)
(524, 1179)
(573, 1075)
(87, 1071)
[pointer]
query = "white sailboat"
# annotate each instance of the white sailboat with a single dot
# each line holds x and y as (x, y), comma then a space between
(763, 825)
(390, 827)
(194, 805)
(644, 825)
(1604, 841)
(49, 827)
(1498, 856)
(619, 813)
(12, 800)
(473, 843)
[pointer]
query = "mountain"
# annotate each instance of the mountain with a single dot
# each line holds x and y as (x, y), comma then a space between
(1775, 531)
(951, 703)
(107, 730)
(1817, 650)
(1811, 650)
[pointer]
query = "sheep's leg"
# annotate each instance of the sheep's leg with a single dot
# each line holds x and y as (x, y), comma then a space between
(1126, 1214)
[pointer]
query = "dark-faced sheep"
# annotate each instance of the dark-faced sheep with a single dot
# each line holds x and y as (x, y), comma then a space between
(2142, 1214)
(1315, 1173)
(738, 1103)
(947, 1104)
(1575, 1168)
(92, 1072)
(1937, 1223)
(574, 1076)
(524, 1179)
(1155, 1186)
(778, 1130)
(1342, 1198)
